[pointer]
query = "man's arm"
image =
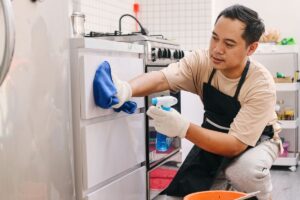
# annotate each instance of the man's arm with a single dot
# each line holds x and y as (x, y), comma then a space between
(148, 83)
(140, 86)
(173, 124)
(214, 141)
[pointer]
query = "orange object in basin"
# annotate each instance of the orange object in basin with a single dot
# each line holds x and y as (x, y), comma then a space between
(214, 195)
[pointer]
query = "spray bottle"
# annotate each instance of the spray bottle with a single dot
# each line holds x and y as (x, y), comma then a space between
(163, 142)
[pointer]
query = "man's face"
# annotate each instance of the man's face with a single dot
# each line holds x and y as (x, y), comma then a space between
(228, 49)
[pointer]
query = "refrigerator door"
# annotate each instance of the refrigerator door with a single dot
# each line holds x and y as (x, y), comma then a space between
(36, 159)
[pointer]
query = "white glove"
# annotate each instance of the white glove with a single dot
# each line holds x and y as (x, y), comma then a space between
(124, 91)
(170, 123)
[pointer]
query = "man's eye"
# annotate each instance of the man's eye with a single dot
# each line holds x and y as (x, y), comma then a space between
(229, 45)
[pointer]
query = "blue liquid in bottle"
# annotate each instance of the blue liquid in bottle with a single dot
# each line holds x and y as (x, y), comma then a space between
(162, 141)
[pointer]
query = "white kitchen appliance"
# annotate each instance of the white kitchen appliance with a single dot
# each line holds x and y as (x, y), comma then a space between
(159, 53)
(109, 146)
(36, 156)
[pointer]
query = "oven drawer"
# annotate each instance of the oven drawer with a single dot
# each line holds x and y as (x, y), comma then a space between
(111, 147)
(161, 176)
(130, 187)
(123, 65)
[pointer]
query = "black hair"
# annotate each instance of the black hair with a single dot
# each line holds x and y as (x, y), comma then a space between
(254, 24)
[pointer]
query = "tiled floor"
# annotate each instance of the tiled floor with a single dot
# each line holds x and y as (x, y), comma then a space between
(286, 184)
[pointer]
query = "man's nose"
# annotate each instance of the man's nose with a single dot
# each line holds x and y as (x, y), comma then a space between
(219, 48)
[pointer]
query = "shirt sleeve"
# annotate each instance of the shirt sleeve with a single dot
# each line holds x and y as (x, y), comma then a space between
(256, 112)
(187, 73)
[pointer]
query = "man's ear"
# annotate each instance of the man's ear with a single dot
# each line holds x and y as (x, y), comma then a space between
(251, 48)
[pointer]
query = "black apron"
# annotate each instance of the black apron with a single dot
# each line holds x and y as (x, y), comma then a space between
(200, 167)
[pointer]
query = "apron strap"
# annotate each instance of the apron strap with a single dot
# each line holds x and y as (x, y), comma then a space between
(211, 76)
(242, 80)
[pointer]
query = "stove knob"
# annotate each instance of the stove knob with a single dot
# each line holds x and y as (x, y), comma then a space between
(153, 56)
(159, 53)
(169, 53)
(165, 53)
(180, 54)
(175, 55)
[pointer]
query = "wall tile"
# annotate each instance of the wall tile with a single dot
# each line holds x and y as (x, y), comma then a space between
(103, 15)
(187, 22)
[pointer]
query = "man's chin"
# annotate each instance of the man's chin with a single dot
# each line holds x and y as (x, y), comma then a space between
(217, 63)
(219, 66)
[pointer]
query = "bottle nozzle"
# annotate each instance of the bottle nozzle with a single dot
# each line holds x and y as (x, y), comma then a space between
(165, 101)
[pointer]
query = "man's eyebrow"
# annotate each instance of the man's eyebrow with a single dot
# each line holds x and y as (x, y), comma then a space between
(230, 40)
(227, 40)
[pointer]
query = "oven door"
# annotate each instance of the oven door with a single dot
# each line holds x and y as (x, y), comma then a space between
(160, 176)
(155, 157)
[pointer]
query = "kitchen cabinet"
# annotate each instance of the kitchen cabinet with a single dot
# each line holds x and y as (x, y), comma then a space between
(125, 67)
(284, 59)
(125, 188)
(109, 147)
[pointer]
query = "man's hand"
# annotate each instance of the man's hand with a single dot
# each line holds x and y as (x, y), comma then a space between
(170, 123)
(124, 91)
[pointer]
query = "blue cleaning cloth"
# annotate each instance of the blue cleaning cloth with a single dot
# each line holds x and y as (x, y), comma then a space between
(105, 90)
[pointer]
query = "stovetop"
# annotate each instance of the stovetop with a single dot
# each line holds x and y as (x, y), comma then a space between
(158, 50)
(132, 37)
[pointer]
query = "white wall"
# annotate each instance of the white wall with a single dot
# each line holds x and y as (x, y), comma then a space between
(103, 15)
(187, 22)
(277, 14)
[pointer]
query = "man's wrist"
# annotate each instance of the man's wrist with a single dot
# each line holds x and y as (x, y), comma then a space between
(185, 129)
(129, 89)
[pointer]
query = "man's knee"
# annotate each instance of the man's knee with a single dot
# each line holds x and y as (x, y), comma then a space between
(247, 176)
(247, 173)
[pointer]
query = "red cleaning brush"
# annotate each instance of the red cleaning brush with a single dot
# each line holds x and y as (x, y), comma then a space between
(136, 9)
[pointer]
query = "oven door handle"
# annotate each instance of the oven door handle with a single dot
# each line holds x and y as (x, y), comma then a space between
(9, 40)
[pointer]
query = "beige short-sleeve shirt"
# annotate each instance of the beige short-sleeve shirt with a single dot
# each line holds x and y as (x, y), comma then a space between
(257, 95)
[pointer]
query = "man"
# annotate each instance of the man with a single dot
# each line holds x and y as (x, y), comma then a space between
(239, 98)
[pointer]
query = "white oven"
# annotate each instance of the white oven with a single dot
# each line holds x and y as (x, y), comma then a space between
(159, 53)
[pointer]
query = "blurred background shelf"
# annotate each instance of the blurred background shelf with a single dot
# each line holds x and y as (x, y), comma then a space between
(286, 87)
(289, 124)
(290, 160)
(284, 59)
(265, 48)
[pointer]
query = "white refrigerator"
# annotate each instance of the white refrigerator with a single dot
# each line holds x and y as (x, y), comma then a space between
(55, 144)
(36, 148)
